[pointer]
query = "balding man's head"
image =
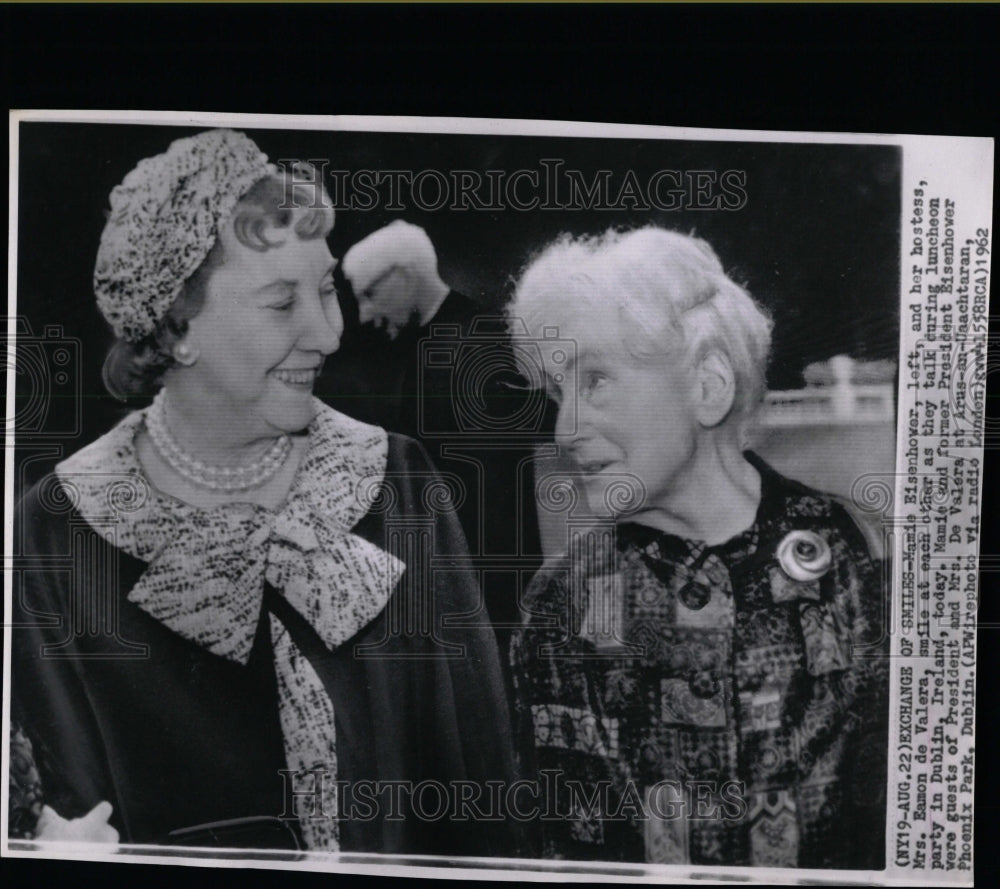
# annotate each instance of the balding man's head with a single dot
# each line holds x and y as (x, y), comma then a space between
(393, 273)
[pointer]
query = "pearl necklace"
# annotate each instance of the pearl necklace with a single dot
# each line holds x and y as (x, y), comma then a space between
(214, 478)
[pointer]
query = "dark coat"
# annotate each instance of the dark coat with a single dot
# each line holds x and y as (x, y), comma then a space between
(120, 708)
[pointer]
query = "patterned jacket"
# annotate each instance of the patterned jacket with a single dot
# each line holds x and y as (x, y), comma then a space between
(724, 705)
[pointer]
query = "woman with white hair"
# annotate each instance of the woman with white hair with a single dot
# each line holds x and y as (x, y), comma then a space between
(251, 647)
(702, 674)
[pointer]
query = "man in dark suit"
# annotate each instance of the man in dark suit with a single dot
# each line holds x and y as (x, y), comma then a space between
(427, 361)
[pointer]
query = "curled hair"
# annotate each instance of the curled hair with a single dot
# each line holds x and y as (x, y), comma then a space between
(136, 369)
(267, 206)
(671, 294)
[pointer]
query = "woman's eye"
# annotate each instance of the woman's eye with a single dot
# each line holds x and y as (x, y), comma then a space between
(327, 288)
(283, 306)
(593, 381)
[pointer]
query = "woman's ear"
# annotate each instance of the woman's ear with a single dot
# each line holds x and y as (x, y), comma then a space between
(715, 388)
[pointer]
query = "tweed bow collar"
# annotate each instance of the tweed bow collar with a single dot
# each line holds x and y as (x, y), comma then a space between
(207, 567)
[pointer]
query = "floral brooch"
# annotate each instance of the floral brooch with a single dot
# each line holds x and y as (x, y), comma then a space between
(803, 558)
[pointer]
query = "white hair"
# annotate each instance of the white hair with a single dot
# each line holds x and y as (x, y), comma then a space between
(671, 294)
(398, 245)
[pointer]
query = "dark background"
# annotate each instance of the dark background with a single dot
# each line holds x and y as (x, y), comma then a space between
(816, 243)
(893, 68)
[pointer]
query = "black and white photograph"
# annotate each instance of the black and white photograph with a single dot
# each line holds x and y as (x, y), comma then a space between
(521, 498)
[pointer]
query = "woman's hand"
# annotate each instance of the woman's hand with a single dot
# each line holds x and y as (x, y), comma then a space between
(90, 828)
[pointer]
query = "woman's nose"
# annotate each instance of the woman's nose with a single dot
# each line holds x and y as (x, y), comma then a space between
(323, 329)
(566, 421)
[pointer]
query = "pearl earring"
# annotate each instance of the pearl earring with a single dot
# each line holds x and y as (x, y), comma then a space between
(184, 354)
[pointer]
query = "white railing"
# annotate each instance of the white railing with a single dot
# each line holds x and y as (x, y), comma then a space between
(841, 401)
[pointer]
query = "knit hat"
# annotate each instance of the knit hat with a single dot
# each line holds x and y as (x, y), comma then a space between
(164, 220)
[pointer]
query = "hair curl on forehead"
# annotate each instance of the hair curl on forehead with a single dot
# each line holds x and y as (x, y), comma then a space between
(274, 203)
(670, 294)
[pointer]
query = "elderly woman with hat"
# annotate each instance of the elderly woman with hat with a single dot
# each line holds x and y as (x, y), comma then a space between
(702, 678)
(253, 634)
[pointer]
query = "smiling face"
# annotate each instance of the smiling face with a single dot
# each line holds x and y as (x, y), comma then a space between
(269, 319)
(623, 418)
